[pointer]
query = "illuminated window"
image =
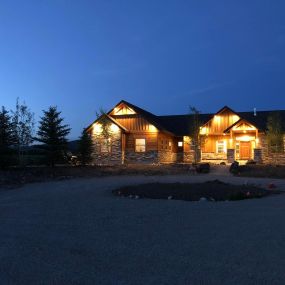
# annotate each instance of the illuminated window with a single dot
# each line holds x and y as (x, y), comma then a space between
(140, 145)
(106, 145)
(180, 144)
(221, 147)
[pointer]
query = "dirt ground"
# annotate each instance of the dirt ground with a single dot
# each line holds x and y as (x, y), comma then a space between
(76, 232)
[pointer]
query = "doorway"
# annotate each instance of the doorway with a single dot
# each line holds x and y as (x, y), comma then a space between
(245, 150)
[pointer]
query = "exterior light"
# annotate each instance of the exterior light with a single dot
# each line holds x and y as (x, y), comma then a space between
(114, 128)
(152, 128)
(97, 128)
(180, 144)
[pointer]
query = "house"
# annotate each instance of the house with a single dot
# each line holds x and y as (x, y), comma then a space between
(135, 135)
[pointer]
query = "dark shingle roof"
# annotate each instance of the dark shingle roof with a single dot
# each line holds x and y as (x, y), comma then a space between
(181, 124)
(260, 120)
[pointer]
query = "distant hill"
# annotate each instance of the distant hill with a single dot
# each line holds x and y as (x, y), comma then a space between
(72, 146)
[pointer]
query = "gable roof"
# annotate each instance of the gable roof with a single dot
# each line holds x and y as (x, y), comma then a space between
(111, 119)
(180, 125)
(240, 121)
(260, 120)
(151, 118)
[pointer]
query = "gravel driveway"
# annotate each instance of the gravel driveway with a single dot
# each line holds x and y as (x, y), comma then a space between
(76, 232)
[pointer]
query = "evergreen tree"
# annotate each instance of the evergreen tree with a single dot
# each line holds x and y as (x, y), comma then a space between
(85, 148)
(274, 133)
(23, 122)
(52, 133)
(7, 138)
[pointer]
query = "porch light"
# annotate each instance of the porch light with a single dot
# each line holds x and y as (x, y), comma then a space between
(180, 144)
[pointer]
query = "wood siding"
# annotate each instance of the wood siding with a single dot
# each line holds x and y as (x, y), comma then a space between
(134, 123)
(220, 122)
(150, 138)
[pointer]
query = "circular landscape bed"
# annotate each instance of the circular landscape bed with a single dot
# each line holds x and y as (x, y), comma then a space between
(211, 191)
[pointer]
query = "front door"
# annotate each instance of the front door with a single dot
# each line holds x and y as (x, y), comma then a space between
(245, 150)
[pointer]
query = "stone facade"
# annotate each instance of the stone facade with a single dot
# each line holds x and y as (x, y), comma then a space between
(188, 157)
(148, 157)
(107, 158)
(230, 155)
(213, 156)
(257, 155)
(165, 156)
(269, 157)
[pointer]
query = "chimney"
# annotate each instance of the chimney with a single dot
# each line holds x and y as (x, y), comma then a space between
(254, 112)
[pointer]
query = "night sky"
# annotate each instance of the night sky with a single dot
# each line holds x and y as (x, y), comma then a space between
(160, 55)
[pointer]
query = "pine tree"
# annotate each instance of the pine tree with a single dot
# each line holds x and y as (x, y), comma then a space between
(274, 133)
(7, 138)
(85, 148)
(52, 133)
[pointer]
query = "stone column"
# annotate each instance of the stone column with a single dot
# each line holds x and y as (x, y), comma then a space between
(230, 155)
(257, 155)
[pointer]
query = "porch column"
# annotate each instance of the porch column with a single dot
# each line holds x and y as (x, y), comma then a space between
(230, 155)
(257, 152)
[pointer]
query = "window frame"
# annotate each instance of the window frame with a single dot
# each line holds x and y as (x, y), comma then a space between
(140, 145)
(218, 144)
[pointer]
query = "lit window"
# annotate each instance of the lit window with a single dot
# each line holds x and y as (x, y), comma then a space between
(106, 145)
(180, 144)
(221, 147)
(140, 145)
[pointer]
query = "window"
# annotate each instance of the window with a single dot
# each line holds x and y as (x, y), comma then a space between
(106, 145)
(221, 147)
(180, 144)
(140, 145)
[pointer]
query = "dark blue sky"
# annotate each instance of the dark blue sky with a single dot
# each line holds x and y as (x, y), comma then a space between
(160, 55)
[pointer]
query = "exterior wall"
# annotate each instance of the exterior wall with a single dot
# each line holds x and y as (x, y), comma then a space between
(269, 157)
(149, 156)
(107, 158)
(220, 122)
(209, 147)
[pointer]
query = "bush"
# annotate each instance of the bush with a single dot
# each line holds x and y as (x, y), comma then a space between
(234, 168)
(203, 168)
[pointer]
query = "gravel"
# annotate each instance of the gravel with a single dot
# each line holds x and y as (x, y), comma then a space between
(77, 232)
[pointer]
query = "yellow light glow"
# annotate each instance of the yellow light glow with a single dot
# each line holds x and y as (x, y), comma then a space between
(203, 130)
(97, 128)
(235, 118)
(217, 118)
(245, 138)
(152, 128)
(114, 128)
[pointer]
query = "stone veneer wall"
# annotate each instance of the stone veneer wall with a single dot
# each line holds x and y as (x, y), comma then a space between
(147, 157)
(269, 157)
(213, 156)
(165, 156)
(112, 158)
(188, 157)
(230, 155)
